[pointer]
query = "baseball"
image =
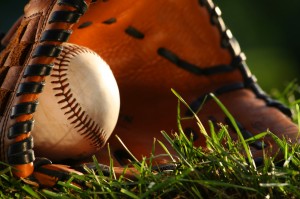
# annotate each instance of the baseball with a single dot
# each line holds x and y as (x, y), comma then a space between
(78, 108)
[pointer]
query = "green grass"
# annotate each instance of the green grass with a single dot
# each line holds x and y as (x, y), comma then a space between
(218, 171)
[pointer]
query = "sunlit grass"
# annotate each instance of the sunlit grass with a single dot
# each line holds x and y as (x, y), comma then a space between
(218, 170)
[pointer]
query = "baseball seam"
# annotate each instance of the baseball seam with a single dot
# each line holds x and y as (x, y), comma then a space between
(86, 126)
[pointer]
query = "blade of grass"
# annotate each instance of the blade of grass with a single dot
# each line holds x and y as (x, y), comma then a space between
(167, 137)
(237, 129)
(257, 137)
(221, 184)
(51, 194)
(125, 147)
(165, 148)
(129, 193)
(30, 191)
(202, 129)
(111, 164)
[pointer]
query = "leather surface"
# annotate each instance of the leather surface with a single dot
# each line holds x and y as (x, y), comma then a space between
(24, 47)
(14, 58)
(145, 78)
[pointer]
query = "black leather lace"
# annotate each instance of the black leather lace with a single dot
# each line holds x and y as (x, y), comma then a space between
(21, 152)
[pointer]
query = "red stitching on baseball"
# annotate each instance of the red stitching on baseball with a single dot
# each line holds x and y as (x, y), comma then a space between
(86, 126)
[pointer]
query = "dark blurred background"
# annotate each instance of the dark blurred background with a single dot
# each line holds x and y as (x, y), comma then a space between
(267, 30)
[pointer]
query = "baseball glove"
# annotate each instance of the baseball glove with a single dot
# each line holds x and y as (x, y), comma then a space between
(151, 47)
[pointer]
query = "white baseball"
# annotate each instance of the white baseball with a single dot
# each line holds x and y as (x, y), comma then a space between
(78, 108)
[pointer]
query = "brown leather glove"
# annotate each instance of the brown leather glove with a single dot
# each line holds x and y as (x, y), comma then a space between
(185, 45)
(30, 48)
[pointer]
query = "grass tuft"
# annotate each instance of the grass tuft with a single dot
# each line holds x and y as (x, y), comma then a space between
(219, 171)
